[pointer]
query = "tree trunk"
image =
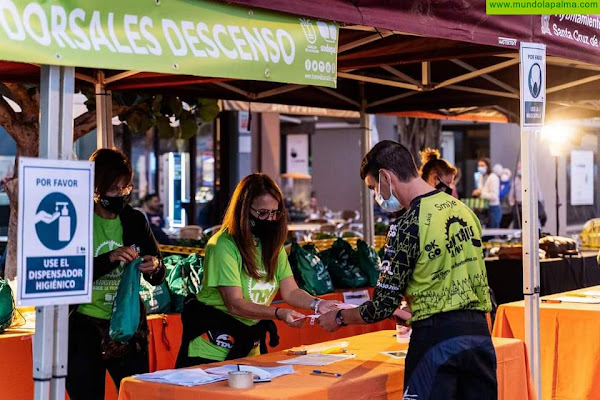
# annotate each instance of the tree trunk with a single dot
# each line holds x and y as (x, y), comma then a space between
(418, 134)
(12, 190)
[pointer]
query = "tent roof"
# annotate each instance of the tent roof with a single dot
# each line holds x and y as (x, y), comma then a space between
(412, 56)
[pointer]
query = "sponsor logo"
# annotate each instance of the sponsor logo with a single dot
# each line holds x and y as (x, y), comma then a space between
(507, 41)
(440, 275)
(386, 268)
(327, 31)
(456, 238)
(447, 205)
(309, 30)
(433, 250)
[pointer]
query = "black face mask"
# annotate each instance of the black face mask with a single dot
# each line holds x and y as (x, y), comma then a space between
(444, 188)
(261, 228)
(114, 205)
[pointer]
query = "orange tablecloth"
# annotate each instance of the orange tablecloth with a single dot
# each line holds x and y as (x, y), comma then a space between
(370, 375)
(16, 367)
(165, 335)
(570, 345)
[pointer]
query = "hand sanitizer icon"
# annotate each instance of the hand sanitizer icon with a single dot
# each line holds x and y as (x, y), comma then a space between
(64, 222)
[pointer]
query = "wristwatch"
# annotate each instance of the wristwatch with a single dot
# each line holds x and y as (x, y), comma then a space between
(339, 319)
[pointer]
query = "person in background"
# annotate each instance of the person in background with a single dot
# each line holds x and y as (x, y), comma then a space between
(432, 250)
(437, 172)
(120, 235)
(152, 207)
(515, 199)
(505, 186)
(490, 191)
(314, 206)
(244, 267)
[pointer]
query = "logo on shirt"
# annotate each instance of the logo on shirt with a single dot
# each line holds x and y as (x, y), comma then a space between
(259, 291)
(433, 250)
(456, 239)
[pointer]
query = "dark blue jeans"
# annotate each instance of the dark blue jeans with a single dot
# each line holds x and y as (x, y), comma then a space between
(451, 356)
(495, 217)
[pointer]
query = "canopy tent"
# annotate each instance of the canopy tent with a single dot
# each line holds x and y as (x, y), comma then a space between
(422, 56)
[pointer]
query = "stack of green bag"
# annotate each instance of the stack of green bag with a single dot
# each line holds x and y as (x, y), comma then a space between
(184, 276)
(7, 306)
(310, 273)
(368, 262)
(343, 265)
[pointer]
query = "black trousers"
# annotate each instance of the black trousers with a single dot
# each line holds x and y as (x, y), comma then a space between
(87, 368)
(451, 356)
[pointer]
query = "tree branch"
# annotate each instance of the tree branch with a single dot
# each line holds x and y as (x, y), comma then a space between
(86, 122)
(29, 104)
(8, 119)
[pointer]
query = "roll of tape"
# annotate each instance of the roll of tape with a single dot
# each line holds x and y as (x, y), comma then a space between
(241, 380)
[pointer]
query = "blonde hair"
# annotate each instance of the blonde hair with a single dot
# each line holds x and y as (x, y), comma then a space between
(433, 162)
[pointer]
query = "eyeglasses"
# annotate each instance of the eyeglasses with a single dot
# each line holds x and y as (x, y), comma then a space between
(275, 215)
(120, 190)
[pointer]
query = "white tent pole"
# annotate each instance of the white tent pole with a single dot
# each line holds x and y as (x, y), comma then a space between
(50, 347)
(531, 261)
(530, 237)
(366, 195)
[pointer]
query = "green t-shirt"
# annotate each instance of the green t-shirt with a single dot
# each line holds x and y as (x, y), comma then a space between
(223, 267)
(434, 256)
(108, 235)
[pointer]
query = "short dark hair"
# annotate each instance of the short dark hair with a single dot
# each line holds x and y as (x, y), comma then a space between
(392, 156)
(149, 197)
(110, 166)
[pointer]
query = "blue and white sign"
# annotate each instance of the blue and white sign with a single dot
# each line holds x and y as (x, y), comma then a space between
(55, 232)
(533, 84)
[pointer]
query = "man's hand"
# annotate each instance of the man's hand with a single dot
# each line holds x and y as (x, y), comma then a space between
(328, 322)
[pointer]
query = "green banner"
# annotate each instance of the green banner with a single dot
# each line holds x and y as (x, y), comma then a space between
(542, 7)
(192, 37)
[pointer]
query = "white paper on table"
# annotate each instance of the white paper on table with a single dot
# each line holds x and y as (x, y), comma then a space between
(261, 374)
(346, 306)
(181, 377)
(576, 299)
(317, 359)
(356, 297)
(592, 293)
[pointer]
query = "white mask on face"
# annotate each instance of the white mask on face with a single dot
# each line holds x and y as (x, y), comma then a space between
(390, 205)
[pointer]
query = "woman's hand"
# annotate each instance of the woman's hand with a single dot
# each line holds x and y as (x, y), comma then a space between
(326, 306)
(149, 265)
(123, 254)
(292, 318)
(476, 192)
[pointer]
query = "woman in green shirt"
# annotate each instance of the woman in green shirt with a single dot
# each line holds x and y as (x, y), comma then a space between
(121, 234)
(244, 267)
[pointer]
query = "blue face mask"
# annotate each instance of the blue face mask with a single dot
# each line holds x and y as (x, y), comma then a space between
(390, 205)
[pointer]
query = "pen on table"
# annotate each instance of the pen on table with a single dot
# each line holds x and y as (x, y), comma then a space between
(319, 372)
(551, 301)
